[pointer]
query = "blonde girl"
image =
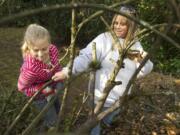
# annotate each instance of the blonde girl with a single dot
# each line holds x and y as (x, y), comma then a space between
(40, 63)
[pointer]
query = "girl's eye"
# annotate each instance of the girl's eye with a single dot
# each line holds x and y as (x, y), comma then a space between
(44, 49)
(35, 50)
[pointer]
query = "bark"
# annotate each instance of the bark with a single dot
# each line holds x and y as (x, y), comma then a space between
(90, 123)
(95, 6)
(25, 107)
(70, 66)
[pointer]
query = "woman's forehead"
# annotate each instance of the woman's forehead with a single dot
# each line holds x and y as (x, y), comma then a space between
(121, 18)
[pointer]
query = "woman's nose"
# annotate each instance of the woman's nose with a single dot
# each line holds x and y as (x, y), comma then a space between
(118, 25)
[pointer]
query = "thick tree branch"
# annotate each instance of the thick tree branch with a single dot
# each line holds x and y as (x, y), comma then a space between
(25, 107)
(89, 124)
(70, 66)
(95, 6)
(111, 81)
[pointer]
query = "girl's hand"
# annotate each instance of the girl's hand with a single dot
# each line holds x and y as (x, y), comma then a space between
(59, 76)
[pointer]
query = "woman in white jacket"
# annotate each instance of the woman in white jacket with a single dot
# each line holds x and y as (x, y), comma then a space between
(107, 54)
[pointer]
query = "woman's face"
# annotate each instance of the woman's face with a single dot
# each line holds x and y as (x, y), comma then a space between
(120, 26)
(40, 49)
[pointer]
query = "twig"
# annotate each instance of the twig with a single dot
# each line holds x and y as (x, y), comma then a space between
(92, 79)
(111, 81)
(160, 112)
(5, 105)
(25, 107)
(96, 6)
(98, 13)
(176, 8)
(72, 55)
(2, 2)
(39, 116)
(116, 43)
(62, 58)
(81, 107)
(93, 121)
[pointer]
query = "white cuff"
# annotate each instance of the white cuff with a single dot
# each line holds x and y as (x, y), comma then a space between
(65, 70)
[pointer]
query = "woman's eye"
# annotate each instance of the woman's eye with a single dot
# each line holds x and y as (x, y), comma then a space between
(123, 24)
(115, 23)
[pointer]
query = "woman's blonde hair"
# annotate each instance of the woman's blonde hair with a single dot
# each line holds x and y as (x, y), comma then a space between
(33, 33)
(132, 26)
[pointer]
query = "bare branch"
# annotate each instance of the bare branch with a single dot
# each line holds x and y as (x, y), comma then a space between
(96, 6)
(49, 104)
(111, 81)
(175, 6)
(64, 56)
(89, 124)
(122, 98)
(25, 107)
(40, 115)
(2, 2)
(5, 104)
(70, 66)
(92, 78)
(98, 13)
(116, 43)
(85, 98)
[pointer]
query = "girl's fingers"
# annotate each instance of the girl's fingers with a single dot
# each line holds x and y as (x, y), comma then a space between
(58, 76)
(54, 77)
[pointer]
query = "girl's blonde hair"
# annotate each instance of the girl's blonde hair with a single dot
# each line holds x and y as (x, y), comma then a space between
(132, 26)
(33, 33)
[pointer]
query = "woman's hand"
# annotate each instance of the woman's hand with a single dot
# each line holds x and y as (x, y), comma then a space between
(59, 76)
(140, 57)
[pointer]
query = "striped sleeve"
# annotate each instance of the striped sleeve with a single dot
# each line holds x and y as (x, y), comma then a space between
(55, 55)
(27, 82)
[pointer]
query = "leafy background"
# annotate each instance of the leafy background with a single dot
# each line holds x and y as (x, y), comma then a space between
(166, 57)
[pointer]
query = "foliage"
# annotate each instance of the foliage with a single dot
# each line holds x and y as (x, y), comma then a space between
(59, 23)
(166, 57)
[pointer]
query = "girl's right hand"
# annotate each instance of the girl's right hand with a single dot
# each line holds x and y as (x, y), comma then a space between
(59, 76)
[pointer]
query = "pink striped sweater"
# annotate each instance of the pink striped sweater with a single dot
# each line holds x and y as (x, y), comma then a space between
(34, 73)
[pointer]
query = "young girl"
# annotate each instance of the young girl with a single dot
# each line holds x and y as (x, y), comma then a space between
(40, 64)
(108, 54)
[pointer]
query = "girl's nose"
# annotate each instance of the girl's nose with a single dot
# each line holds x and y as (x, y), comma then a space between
(40, 54)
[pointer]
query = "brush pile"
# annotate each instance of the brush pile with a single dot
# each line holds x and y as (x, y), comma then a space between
(153, 108)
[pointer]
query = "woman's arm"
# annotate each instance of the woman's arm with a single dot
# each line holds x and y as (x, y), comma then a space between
(82, 61)
(147, 68)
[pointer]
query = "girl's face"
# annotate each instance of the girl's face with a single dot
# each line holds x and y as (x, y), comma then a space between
(120, 26)
(40, 50)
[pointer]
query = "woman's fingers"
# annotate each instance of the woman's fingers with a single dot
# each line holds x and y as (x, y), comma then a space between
(143, 55)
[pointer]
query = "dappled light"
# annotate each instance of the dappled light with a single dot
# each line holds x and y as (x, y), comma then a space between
(149, 105)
